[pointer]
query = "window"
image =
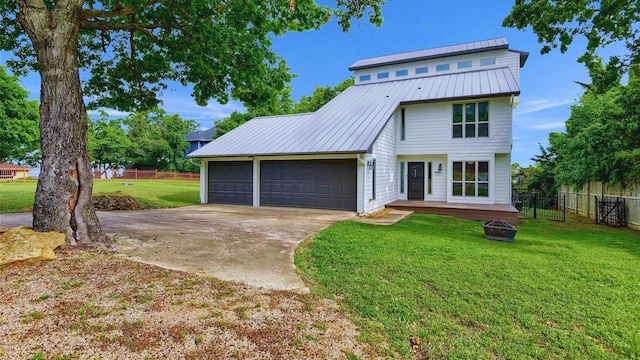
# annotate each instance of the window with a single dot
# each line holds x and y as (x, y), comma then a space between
(403, 125)
(365, 77)
(470, 178)
(471, 120)
(464, 64)
(383, 75)
(429, 178)
(402, 73)
(488, 61)
(422, 70)
(401, 177)
(442, 67)
(373, 180)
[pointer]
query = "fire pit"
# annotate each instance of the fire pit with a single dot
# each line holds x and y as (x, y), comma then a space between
(499, 230)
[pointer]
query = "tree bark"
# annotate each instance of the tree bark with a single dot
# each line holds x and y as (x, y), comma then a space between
(63, 196)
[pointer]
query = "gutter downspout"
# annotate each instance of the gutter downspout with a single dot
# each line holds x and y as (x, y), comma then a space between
(362, 186)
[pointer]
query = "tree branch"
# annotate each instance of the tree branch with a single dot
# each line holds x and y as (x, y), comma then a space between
(143, 28)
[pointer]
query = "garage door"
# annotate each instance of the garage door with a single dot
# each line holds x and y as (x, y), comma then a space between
(320, 184)
(231, 182)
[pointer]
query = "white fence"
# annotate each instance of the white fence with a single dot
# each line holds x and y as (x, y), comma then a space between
(582, 201)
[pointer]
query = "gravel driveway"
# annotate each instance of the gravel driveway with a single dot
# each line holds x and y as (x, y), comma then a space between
(252, 245)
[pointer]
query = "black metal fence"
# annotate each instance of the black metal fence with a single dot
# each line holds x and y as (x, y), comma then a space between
(611, 211)
(532, 206)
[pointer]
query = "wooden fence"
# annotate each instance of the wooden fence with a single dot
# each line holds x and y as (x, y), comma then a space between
(583, 201)
(135, 174)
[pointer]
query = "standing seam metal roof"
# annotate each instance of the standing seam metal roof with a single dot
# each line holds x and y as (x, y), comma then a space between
(352, 121)
(477, 46)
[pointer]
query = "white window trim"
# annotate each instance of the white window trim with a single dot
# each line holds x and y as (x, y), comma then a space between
(467, 199)
(477, 122)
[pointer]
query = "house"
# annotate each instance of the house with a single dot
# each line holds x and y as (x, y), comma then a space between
(199, 138)
(11, 172)
(429, 130)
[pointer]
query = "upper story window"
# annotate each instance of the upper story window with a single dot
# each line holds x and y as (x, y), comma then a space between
(442, 67)
(365, 77)
(404, 72)
(422, 70)
(488, 61)
(464, 64)
(471, 120)
(383, 75)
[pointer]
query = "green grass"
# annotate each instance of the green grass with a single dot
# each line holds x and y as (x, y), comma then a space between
(434, 285)
(18, 196)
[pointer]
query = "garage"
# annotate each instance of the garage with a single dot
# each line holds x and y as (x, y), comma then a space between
(320, 184)
(230, 182)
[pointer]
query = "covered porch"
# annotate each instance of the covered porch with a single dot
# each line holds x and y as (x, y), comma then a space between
(480, 212)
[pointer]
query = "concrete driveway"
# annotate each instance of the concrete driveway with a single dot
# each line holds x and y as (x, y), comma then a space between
(252, 245)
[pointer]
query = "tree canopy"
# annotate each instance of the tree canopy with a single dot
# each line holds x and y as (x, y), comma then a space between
(602, 138)
(19, 134)
(158, 140)
(283, 105)
(132, 50)
(557, 23)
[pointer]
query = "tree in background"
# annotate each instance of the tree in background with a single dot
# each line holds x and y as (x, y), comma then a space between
(283, 105)
(19, 119)
(320, 96)
(602, 141)
(158, 140)
(108, 144)
(131, 49)
(558, 22)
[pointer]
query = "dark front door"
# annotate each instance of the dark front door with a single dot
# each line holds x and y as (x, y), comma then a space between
(416, 181)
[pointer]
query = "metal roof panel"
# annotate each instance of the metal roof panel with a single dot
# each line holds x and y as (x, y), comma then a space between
(352, 121)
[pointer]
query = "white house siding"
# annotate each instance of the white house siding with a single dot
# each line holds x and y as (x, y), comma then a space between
(438, 178)
(503, 179)
(429, 130)
(504, 58)
(384, 152)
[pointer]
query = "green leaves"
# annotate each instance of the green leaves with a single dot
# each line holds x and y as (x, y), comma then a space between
(19, 119)
(558, 23)
(603, 135)
(133, 48)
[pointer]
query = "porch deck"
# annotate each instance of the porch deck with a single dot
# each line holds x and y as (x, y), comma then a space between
(481, 212)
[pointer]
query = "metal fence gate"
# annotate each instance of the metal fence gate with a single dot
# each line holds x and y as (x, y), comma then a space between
(611, 211)
(532, 206)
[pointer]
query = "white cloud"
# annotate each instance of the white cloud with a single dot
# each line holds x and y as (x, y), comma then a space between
(185, 105)
(535, 105)
(109, 112)
(556, 125)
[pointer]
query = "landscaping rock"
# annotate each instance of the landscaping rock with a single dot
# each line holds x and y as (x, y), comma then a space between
(109, 202)
(23, 243)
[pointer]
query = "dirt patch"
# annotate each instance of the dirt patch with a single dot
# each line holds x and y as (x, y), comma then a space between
(110, 202)
(95, 305)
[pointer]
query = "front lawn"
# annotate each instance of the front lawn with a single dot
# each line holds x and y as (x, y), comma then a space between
(18, 196)
(433, 287)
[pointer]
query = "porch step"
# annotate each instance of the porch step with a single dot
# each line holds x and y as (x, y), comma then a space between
(388, 218)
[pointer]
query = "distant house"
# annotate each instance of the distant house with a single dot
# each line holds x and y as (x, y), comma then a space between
(11, 172)
(429, 130)
(199, 138)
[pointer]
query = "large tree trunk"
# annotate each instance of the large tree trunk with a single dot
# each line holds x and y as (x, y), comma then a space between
(63, 196)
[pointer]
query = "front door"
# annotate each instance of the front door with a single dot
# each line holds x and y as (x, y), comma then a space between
(415, 181)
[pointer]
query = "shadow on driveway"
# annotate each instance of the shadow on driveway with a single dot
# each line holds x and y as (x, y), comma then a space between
(252, 245)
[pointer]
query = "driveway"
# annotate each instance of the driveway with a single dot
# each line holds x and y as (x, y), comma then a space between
(252, 245)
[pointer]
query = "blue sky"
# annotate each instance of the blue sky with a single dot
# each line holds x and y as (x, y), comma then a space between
(322, 57)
